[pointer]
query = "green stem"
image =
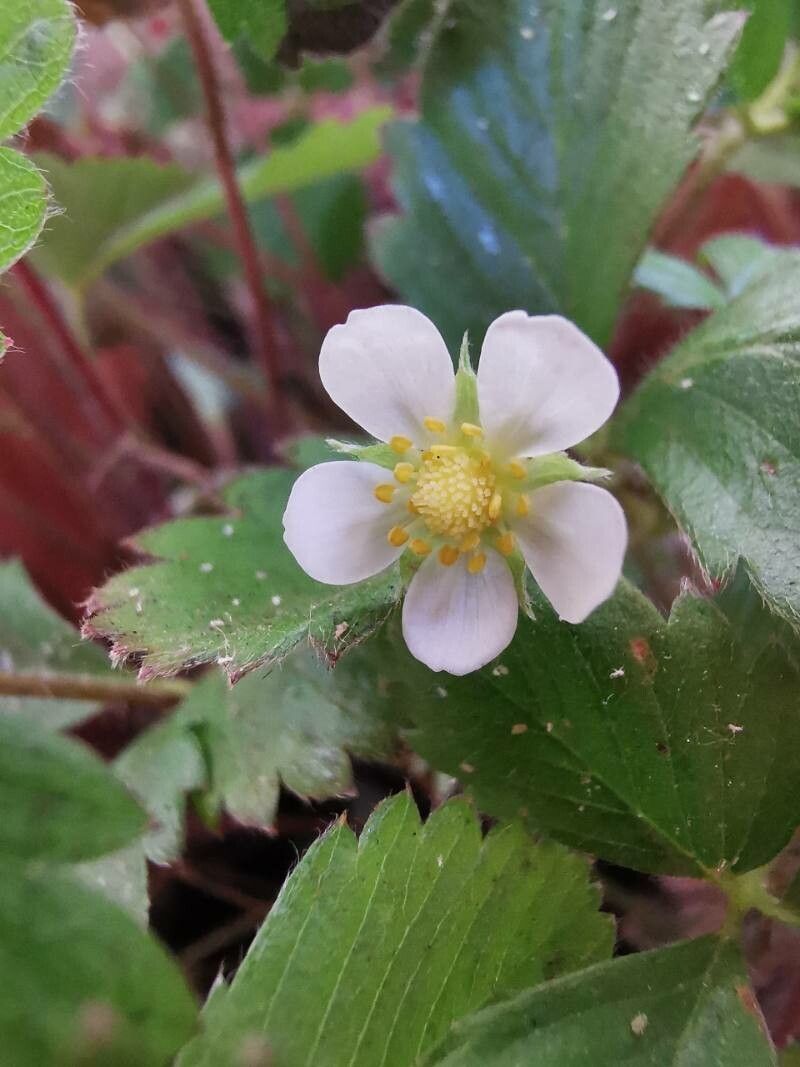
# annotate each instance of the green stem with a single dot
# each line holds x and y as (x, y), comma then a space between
(748, 892)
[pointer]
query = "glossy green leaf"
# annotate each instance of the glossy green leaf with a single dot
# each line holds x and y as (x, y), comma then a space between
(59, 802)
(237, 746)
(737, 259)
(551, 134)
(36, 42)
(677, 282)
(114, 207)
(86, 984)
(121, 877)
(687, 1006)
(716, 426)
(665, 748)
(23, 206)
(226, 589)
(34, 639)
(761, 48)
(374, 947)
(262, 22)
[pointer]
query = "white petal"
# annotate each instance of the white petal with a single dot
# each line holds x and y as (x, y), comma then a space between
(388, 368)
(333, 525)
(456, 621)
(542, 384)
(574, 542)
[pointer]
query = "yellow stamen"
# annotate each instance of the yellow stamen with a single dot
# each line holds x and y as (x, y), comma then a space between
(400, 444)
(477, 563)
(444, 450)
(412, 507)
(472, 540)
(495, 506)
(397, 536)
(469, 429)
(419, 547)
(517, 469)
(434, 425)
(384, 493)
(403, 472)
(505, 544)
(448, 555)
(523, 507)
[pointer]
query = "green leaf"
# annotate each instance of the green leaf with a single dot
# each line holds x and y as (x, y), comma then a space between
(760, 50)
(227, 590)
(23, 206)
(716, 426)
(377, 946)
(677, 282)
(687, 1006)
(262, 22)
(239, 744)
(34, 639)
(538, 120)
(36, 42)
(737, 259)
(59, 802)
(112, 208)
(334, 213)
(661, 747)
(89, 986)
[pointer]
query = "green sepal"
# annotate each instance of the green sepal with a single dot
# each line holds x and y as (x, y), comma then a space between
(519, 572)
(559, 467)
(466, 388)
(379, 453)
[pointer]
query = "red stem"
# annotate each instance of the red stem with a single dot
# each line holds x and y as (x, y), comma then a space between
(245, 242)
(48, 308)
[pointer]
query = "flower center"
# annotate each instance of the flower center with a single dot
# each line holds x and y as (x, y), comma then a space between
(456, 492)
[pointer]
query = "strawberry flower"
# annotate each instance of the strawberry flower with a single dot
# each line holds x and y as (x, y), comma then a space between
(471, 482)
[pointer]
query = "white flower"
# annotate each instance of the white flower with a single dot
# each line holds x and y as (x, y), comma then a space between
(475, 477)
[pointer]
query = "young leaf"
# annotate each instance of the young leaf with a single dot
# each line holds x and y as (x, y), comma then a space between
(239, 744)
(227, 589)
(36, 42)
(716, 426)
(24, 206)
(59, 802)
(89, 986)
(377, 946)
(36, 640)
(688, 1005)
(678, 283)
(538, 119)
(262, 22)
(113, 207)
(761, 48)
(737, 259)
(662, 747)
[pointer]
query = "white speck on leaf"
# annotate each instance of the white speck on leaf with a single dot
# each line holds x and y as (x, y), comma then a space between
(341, 630)
(276, 601)
(206, 568)
(261, 575)
(236, 601)
(618, 672)
(134, 592)
(734, 729)
(227, 530)
(519, 728)
(687, 383)
(467, 768)
(639, 1024)
(500, 671)
(609, 15)
(440, 691)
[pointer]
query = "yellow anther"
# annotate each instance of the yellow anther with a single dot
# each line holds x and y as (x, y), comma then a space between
(469, 429)
(448, 555)
(495, 506)
(419, 547)
(444, 450)
(384, 492)
(517, 469)
(472, 540)
(412, 507)
(433, 425)
(400, 444)
(477, 563)
(505, 544)
(523, 507)
(403, 472)
(397, 536)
